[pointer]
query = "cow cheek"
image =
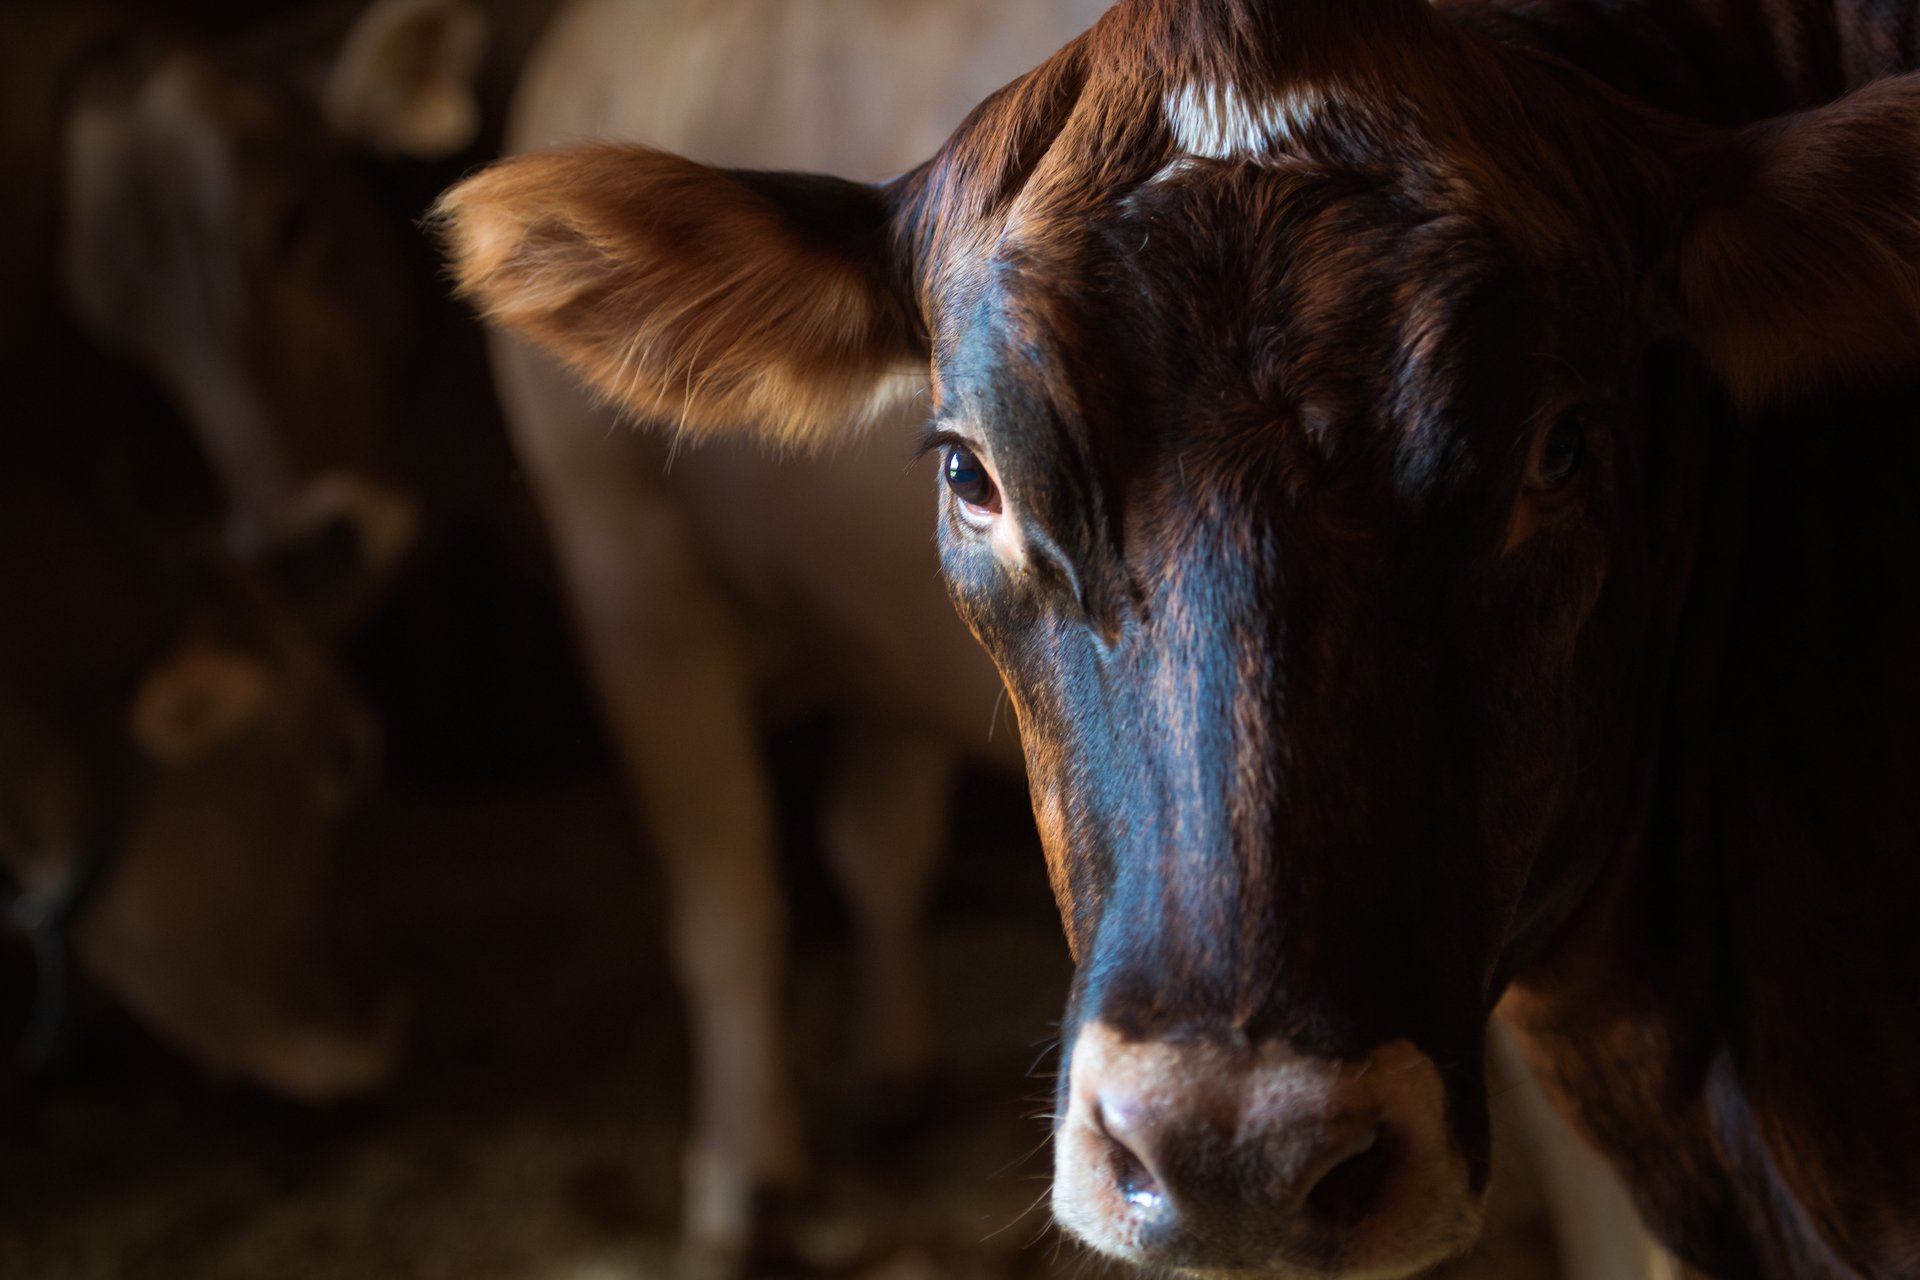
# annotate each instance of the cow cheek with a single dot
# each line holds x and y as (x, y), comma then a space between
(1538, 729)
(1031, 650)
(1056, 841)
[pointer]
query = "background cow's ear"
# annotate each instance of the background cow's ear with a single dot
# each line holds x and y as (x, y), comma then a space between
(1800, 263)
(195, 699)
(703, 298)
(404, 81)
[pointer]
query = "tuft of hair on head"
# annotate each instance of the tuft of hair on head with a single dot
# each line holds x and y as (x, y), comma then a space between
(705, 299)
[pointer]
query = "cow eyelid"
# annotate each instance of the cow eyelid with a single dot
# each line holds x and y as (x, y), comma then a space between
(1556, 454)
(936, 439)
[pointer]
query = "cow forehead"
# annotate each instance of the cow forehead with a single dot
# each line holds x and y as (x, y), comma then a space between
(1079, 141)
(1254, 292)
(1194, 245)
(1135, 185)
(1218, 119)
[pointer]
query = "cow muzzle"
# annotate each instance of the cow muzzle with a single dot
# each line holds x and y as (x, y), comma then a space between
(1259, 1160)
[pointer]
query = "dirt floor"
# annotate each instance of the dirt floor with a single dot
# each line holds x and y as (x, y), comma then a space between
(534, 1132)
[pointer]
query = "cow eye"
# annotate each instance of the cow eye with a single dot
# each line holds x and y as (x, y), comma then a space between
(1558, 455)
(967, 477)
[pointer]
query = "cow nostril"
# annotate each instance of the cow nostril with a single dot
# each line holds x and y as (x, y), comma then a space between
(1351, 1190)
(1135, 1181)
(1137, 1184)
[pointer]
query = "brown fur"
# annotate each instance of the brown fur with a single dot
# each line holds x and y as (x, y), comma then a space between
(680, 293)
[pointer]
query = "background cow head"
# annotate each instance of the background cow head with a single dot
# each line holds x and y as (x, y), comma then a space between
(183, 729)
(222, 231)
(217, 926)
(1313, 387)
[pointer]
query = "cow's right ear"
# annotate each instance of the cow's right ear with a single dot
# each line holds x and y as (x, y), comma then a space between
(699, 297)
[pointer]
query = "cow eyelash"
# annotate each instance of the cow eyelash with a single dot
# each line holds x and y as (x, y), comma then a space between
(934, 439)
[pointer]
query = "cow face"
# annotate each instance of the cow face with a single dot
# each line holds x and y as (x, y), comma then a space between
(220, 232)
(1297, 650)
(242, 756)
(1284, 494)
(1294, 374)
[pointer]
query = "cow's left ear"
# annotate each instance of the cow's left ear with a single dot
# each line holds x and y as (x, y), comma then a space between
(1800, 262)
(404, 79)
(195, 699)
(702, 298)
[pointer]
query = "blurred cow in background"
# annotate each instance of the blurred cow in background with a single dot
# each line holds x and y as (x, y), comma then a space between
(175, 744)
(178, 752)
(219, 231)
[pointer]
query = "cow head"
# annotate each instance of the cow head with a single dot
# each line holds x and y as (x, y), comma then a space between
(1298, 370)
(220, 232)
(214, 791)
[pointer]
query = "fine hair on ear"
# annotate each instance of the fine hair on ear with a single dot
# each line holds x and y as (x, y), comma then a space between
(706, 299)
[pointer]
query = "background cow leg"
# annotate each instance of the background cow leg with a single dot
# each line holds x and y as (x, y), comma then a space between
(668, 662)
(692, 749)
(883, 829)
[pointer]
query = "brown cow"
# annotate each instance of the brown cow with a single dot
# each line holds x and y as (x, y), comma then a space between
(1442, 520)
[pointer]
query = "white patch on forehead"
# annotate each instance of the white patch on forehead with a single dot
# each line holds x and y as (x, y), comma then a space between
(1218, 122)
(1172, 169)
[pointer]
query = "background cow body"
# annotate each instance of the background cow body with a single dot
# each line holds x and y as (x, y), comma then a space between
(1395, 611)
(717, 587)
